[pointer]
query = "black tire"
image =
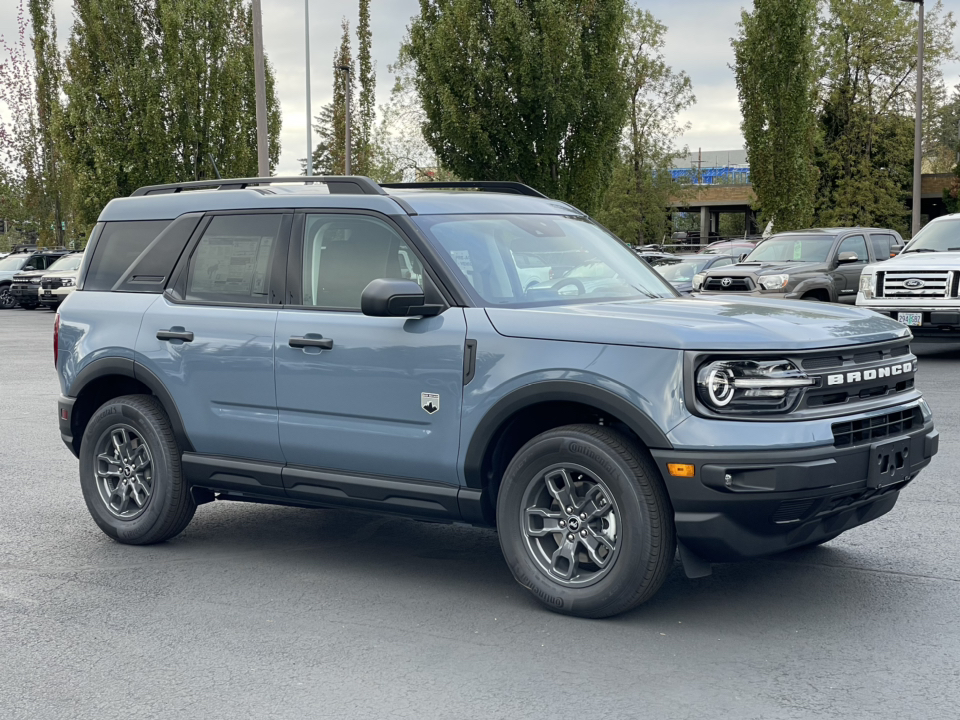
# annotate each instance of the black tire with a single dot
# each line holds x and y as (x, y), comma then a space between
(7, 300)
(169, 506)
(645, 538)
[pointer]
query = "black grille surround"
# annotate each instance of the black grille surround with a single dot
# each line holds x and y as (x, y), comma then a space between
(736, 284)
(854, 379)
(51, 283)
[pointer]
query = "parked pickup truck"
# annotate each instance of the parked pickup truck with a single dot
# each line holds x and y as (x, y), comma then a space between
(822, 264)
(921, 286)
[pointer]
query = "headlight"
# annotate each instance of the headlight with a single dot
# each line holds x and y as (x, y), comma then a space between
(66, 282)
(867, 283)
(773, 282)
(698, 280)
(750, 386)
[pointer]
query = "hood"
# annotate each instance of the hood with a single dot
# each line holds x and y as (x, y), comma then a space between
(764, 268)
(920, 261)
(31, 274)
(701, 323)
(60, 273)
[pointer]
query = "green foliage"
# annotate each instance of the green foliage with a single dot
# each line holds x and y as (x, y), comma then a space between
(153, 88)
(635, 205)
(341, 89)
(367, 102)
(528, 91)
(868, 69)
(774, 67)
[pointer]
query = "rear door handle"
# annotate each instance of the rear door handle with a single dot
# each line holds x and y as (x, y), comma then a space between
(184, 335)
(317, 342)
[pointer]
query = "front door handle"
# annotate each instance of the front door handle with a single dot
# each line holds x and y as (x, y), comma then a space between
(174, 334)
(317, 342)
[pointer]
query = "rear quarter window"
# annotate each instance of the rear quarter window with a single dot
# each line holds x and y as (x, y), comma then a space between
(119, 245)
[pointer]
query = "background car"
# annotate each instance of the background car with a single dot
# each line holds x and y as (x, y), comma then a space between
(38, 259)
(678, 270)
(60, 280)
(732, 247)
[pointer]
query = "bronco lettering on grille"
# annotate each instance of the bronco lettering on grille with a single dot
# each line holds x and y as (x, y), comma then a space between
(858, 376)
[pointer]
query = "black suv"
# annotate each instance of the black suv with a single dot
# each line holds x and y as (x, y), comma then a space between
(20, 275)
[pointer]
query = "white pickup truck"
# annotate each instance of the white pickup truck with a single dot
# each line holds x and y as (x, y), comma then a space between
(920, 287)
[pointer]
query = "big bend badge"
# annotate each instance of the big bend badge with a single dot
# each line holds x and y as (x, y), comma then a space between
(430, 402)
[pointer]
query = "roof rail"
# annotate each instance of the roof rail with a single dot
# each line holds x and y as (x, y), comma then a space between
(514, 188)
(338, 184)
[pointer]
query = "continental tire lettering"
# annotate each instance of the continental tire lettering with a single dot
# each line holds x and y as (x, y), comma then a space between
(575, 447)
(523, 580)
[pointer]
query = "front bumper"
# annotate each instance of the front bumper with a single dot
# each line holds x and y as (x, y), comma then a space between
(25, 293)
(55, 296)
(938, 324)
(743, 504)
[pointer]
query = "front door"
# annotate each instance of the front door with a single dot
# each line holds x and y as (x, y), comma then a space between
(850, 272)
(365, 396)
(210, 339)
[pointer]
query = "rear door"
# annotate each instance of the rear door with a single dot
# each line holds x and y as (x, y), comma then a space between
(384, 399)
(209, 337)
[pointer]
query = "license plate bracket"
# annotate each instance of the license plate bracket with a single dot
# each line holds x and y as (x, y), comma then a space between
(889, 462)
(910, 319)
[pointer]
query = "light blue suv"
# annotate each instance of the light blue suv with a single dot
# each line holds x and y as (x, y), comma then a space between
(326, 343)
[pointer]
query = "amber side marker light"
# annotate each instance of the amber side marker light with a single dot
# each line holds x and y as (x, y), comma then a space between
(680, 469)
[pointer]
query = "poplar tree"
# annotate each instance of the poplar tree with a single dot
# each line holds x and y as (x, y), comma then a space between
(774, 65)
(527, 91)
(342, 88)
(366, 103)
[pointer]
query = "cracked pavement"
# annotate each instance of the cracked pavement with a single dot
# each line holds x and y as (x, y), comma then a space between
(258, 611)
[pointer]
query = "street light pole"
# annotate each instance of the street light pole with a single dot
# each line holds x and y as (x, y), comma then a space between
(347, 170)
(306, 40)
(260, 89)
(918, 126)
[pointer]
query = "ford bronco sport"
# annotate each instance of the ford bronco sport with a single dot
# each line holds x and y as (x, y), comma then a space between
(261, 340)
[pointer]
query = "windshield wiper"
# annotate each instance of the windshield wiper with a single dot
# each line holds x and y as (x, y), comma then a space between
(924, 250)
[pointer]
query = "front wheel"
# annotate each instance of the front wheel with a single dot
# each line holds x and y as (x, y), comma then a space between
(7, 300)
(584, 521)
(130, 472)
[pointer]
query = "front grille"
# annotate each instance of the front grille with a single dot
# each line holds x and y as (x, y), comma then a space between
(51, 283)
(916, 283)
(737, 284)
(867, 430)
(833, 360)
(21, 281)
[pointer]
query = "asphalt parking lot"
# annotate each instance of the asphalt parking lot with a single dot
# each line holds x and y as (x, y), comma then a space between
(271, 612)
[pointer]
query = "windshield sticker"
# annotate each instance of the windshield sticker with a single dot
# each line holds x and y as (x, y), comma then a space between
(797, 250)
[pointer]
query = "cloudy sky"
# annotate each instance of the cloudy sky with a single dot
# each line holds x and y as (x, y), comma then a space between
(698, 42)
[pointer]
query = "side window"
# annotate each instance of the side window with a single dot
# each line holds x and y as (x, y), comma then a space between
(722, 262)
(119, 245)
(855, 244)
(231, 263)
(343, 253)
(882, 245)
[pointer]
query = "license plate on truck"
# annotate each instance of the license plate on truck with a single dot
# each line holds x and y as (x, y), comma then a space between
(911, 319)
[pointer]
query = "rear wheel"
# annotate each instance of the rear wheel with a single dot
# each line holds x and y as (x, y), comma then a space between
(584, 521)
(130, 472)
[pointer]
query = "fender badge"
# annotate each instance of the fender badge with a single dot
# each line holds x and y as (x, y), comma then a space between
(430, 402)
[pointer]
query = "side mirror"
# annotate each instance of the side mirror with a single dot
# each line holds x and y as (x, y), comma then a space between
(389, 297)
(28, 268)
(847, 257)
(743, 256)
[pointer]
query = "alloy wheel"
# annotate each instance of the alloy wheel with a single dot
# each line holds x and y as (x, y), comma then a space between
(571, 525)
(123, 468)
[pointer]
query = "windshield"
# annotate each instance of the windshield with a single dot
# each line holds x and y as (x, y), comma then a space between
(941, 236)
(14, 262)
(793, 248)
(678, 270)
(67, 262)
(580, 261)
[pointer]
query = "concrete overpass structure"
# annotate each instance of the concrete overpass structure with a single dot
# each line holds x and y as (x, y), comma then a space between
(713, 200)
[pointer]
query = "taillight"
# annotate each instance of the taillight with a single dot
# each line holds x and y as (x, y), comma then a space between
(56, 339)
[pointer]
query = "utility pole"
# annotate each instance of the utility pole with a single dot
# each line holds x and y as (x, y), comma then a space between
(918, 126)
(346, 94)
(306, 40)
(263, 153)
